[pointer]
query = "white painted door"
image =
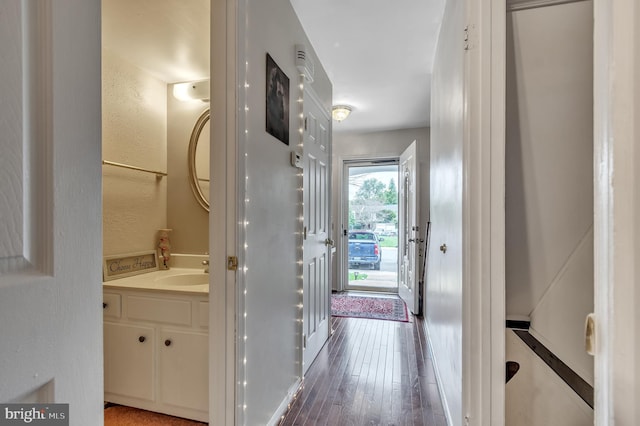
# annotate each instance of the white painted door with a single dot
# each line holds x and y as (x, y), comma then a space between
(316, 289)
(409, 229)
(50, 206)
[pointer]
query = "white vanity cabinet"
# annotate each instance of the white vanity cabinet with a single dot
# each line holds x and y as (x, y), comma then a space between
(156, 351)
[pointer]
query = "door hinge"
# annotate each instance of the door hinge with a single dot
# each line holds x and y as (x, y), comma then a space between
(305, 124)
(304, 342)
(469, 36)
(304, 233)
(232, 263)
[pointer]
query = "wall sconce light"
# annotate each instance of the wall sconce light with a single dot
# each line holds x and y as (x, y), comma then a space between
(192, 90)
(340, 112)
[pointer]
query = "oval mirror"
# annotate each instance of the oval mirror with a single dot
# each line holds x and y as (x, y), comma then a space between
(199, 160)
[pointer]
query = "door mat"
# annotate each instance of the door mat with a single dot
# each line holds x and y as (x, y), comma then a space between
(119, 415)
(383, 308)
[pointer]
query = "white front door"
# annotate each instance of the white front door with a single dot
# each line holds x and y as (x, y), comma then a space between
(409, 229)
(50, 206)
(316, 170)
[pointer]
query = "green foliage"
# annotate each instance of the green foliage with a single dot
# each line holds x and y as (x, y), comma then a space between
(366, 207)
(389, 242)
(371, 189)
(361, 276)
(391, 193)
(387, 216)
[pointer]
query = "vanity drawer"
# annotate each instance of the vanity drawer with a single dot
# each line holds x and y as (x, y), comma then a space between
(167, 311)
(111, 305)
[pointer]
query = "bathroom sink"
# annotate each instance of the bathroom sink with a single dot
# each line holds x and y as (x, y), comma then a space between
(183, 279)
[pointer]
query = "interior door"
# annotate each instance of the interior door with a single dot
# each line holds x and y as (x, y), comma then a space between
(408, 228)
(50, 206)
(317, 245)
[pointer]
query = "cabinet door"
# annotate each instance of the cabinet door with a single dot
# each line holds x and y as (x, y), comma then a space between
(129, 360)
(184, 369)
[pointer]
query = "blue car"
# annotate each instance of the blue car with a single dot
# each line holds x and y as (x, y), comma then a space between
(364, 250)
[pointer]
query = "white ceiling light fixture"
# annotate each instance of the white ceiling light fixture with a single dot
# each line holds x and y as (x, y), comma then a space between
(192, 90)
(340, 112)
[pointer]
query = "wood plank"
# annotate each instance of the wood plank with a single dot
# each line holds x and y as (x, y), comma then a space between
(370, 372)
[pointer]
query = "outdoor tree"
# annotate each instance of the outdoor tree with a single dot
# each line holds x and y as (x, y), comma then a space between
(367, 208)
(371, 189)
(391, 193)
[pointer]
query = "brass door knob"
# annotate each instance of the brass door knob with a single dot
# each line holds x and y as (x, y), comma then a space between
(443, 248)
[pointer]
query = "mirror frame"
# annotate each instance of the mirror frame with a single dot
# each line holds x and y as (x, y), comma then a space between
(193, 145)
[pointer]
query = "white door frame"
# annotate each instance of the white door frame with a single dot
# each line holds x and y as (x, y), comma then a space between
(343, 211)
(616, 231)
(224, 297)
(483, 378)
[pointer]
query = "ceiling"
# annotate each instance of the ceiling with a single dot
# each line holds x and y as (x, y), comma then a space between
(378, 54)
(166, 38)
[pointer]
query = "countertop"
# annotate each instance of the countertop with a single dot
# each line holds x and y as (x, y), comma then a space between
(181, 280)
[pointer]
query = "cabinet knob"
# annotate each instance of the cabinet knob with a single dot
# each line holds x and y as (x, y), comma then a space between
(141, 339)
(104, 305)
(167, 342)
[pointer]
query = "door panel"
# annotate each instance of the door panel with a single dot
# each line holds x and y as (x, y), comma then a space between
(50, 209)
(316, 289)
(409, 229)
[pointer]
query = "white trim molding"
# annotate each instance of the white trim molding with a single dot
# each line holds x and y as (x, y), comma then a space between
(484, 215)
(616, 232)
(513, 5)
(223, 233)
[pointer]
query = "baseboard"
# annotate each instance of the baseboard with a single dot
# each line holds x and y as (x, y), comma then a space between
(284, 405)
(436, 370)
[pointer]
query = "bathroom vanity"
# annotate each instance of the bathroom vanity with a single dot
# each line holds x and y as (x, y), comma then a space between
(156, 342)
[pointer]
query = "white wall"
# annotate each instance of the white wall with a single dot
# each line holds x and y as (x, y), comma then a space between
(134, 131)
(443, 299)
(189, 221)
(549, 175)
(269, 187)
(385, 144)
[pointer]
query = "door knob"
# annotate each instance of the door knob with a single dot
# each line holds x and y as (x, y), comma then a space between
(443, 248)
(328, 242)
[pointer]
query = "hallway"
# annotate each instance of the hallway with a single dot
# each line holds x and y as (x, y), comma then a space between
(370, 372)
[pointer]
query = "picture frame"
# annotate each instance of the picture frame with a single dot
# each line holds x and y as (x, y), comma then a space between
(277, 101)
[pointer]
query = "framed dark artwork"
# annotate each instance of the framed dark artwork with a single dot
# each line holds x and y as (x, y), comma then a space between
(277, 101)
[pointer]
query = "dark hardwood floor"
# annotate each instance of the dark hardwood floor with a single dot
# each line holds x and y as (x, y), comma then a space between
(370, 372)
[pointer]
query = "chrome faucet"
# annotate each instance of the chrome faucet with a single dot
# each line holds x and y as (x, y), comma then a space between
(205, 263)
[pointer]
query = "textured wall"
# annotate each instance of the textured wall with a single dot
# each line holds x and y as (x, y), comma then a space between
(134, 129)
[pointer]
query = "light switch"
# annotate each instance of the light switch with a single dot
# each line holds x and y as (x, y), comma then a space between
(296, 159)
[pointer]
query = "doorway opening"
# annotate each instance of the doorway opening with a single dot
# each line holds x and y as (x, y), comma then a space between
(371, 197)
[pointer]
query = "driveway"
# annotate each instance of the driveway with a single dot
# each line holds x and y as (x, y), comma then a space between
(386, 277)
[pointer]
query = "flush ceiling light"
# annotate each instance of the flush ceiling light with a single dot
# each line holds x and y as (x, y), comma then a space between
(340, 112)
(193, 90)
